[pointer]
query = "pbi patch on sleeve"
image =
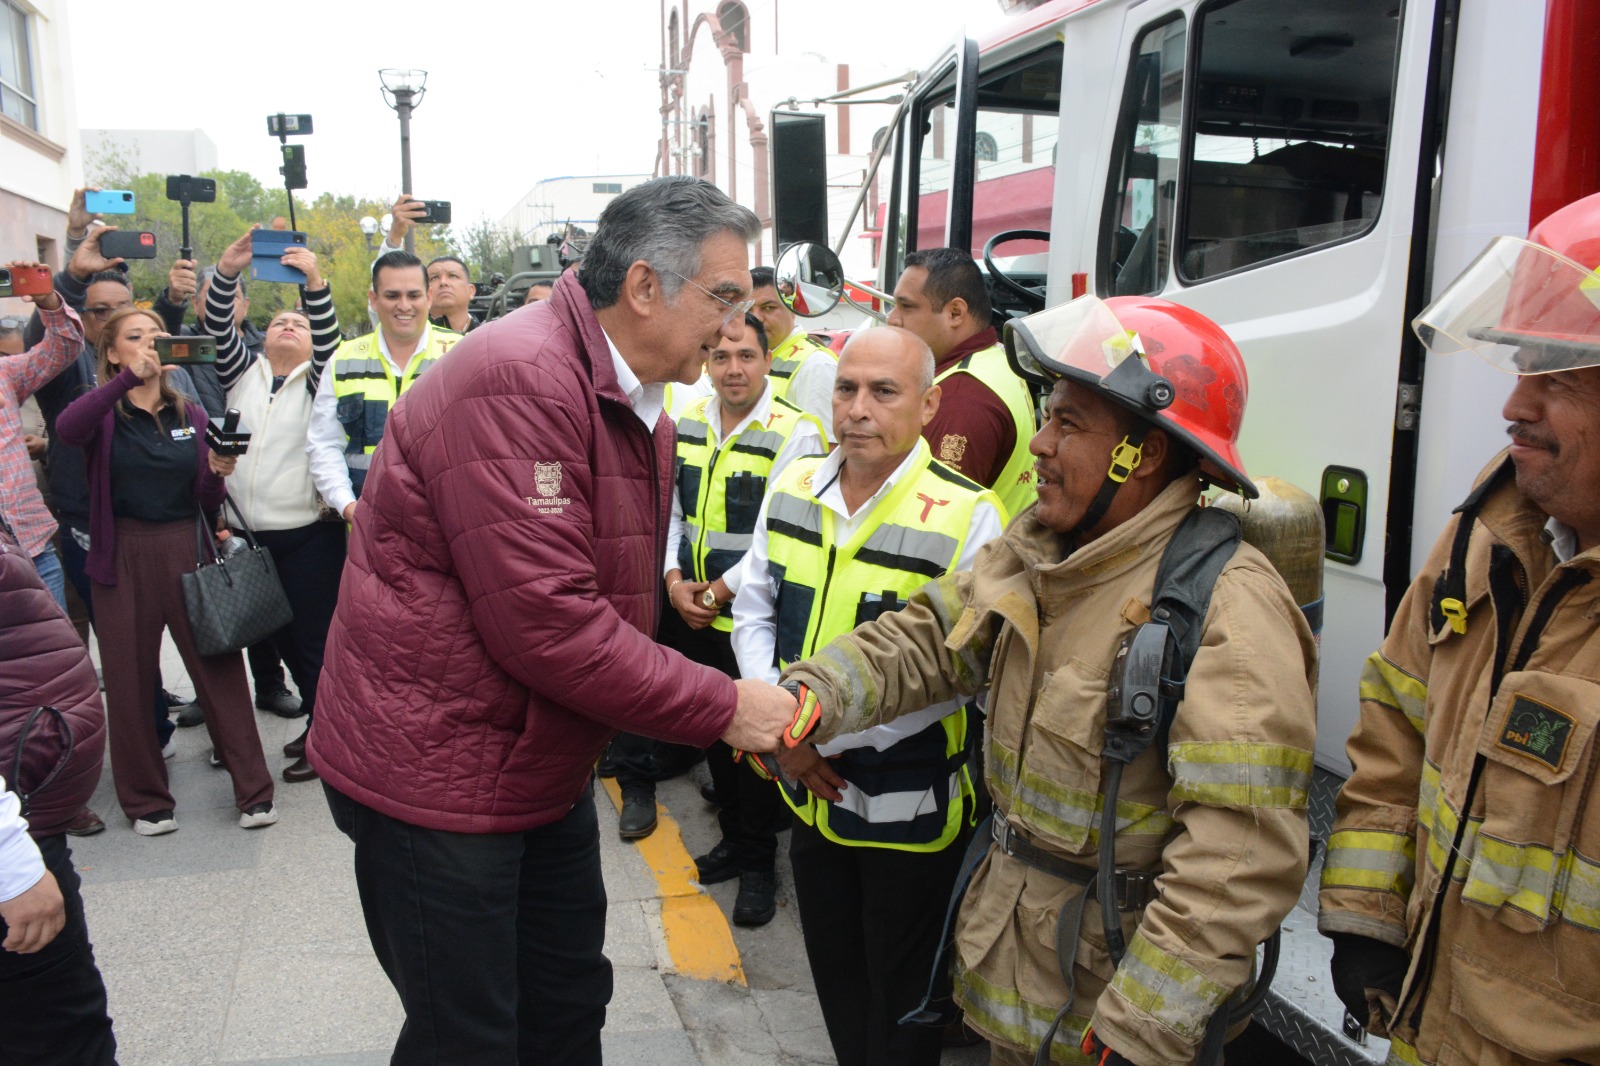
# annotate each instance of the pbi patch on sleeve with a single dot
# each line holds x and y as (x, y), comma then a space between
(1536, 730)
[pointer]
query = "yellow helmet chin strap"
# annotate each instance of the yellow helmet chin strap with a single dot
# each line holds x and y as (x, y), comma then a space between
(1125, 459)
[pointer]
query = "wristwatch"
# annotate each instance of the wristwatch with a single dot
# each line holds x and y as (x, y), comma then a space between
(709, 598)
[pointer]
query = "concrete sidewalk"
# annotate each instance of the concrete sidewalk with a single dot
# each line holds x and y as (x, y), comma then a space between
(222, 945)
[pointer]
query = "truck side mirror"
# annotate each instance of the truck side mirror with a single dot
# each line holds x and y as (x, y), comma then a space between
(810, 279)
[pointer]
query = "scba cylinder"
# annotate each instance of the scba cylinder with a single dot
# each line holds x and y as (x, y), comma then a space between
(1285, 524)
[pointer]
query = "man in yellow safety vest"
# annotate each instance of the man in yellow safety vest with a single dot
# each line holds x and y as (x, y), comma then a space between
(881, 813)
(987, 417)
(802, 369)
(367, 375)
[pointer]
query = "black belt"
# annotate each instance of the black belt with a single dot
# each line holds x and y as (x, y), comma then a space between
(1135, 888)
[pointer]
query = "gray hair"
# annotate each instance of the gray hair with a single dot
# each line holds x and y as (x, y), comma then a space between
(663, 222)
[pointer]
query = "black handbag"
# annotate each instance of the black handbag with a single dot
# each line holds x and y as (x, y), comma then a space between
(233, 601)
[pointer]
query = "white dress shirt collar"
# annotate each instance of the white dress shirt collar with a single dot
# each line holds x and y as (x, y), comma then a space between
(647, 401)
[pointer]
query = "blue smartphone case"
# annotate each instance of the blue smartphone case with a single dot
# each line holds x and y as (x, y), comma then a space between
(266, 248)
(109, 202)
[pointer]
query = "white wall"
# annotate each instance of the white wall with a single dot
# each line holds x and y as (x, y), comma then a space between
(152, 151)
(553, 202)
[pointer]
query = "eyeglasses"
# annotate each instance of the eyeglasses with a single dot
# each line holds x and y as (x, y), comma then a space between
(11, 322)
(102, 312)
(735, 310)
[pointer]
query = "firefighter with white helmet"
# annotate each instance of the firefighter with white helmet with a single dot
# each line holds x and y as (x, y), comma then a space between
(1462, 884)
(1190, 824)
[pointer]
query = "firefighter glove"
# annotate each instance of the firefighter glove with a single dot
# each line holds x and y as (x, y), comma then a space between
(1367, 975)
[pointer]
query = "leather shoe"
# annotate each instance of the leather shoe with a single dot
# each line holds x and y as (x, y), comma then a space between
(708, 792)
(296, 748)
(190, 714)
(279, 701)
(638, 818)
(85, 823)
(756, 902)
(717, 865)
(298, 771)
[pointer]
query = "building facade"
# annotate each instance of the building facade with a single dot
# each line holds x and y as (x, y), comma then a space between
(725, 66)
(40, 164)
(554, 204)
(149, 151)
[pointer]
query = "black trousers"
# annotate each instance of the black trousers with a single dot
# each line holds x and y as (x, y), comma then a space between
(752, 812)
(871, 918)
(309, 561)
(492, 940)
(53, 1002)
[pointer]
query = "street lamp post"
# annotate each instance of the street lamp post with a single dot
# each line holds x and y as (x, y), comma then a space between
(403, 90)
(369, 230)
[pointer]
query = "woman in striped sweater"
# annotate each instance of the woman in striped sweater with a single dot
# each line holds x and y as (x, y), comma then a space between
(272, 486)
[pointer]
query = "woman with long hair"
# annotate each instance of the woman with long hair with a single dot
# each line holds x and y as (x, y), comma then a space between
(151, 479)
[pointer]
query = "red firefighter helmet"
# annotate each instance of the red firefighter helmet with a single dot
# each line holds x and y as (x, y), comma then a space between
(1527, 307)
(1167, 363)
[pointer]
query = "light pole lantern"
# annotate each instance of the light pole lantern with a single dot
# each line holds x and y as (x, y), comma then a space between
(369, 230)
(403, 90)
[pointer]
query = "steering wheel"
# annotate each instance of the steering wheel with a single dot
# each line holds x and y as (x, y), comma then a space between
(1031, 297)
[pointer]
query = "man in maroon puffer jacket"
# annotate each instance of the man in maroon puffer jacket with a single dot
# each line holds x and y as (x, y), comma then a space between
(493, 632)
(52, 998)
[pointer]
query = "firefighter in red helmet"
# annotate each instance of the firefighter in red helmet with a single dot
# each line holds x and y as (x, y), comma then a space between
(1462, 883)
(1116, 900)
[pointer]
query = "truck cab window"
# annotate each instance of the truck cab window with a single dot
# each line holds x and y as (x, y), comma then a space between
(1017, 107)
(1136, 223)
(1290, 127)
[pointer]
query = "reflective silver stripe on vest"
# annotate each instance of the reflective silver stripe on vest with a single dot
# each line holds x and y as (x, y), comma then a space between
(733, 542)
(691, 531)
(762, 442)
(691, 431)
(359, 461)
(795, 517)
(894, 806)
(784, 368)
(346, 369)
(422, 364)
(915, 551)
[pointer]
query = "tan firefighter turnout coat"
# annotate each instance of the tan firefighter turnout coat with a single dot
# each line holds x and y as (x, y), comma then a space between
(1224, 824)
(1498, 723)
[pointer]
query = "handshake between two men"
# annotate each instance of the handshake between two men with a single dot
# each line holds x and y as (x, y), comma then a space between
(777, 719)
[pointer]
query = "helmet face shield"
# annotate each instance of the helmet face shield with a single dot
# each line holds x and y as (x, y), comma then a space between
(1521, 307)
(1082, 336)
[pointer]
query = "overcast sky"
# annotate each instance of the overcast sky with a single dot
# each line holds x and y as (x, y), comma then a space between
(516, 93)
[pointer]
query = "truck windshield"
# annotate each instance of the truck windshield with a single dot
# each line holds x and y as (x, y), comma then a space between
(1017, 107)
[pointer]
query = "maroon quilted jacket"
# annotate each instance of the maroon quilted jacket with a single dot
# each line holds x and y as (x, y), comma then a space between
(44, 664)
(504, 576)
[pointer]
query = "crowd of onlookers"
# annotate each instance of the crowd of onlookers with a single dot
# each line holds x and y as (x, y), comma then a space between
(111, 489)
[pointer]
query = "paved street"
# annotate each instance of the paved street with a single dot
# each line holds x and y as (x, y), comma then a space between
(221, 945)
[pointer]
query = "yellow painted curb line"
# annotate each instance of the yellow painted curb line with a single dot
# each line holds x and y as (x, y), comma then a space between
(697, 933)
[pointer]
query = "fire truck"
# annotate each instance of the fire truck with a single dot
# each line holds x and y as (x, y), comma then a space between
(1307, 174)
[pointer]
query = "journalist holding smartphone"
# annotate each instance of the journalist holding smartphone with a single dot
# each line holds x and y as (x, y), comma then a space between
(272, 487)
(20, 377)
(150, 476)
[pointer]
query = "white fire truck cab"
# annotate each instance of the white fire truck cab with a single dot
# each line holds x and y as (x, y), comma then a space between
(1308, 175)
